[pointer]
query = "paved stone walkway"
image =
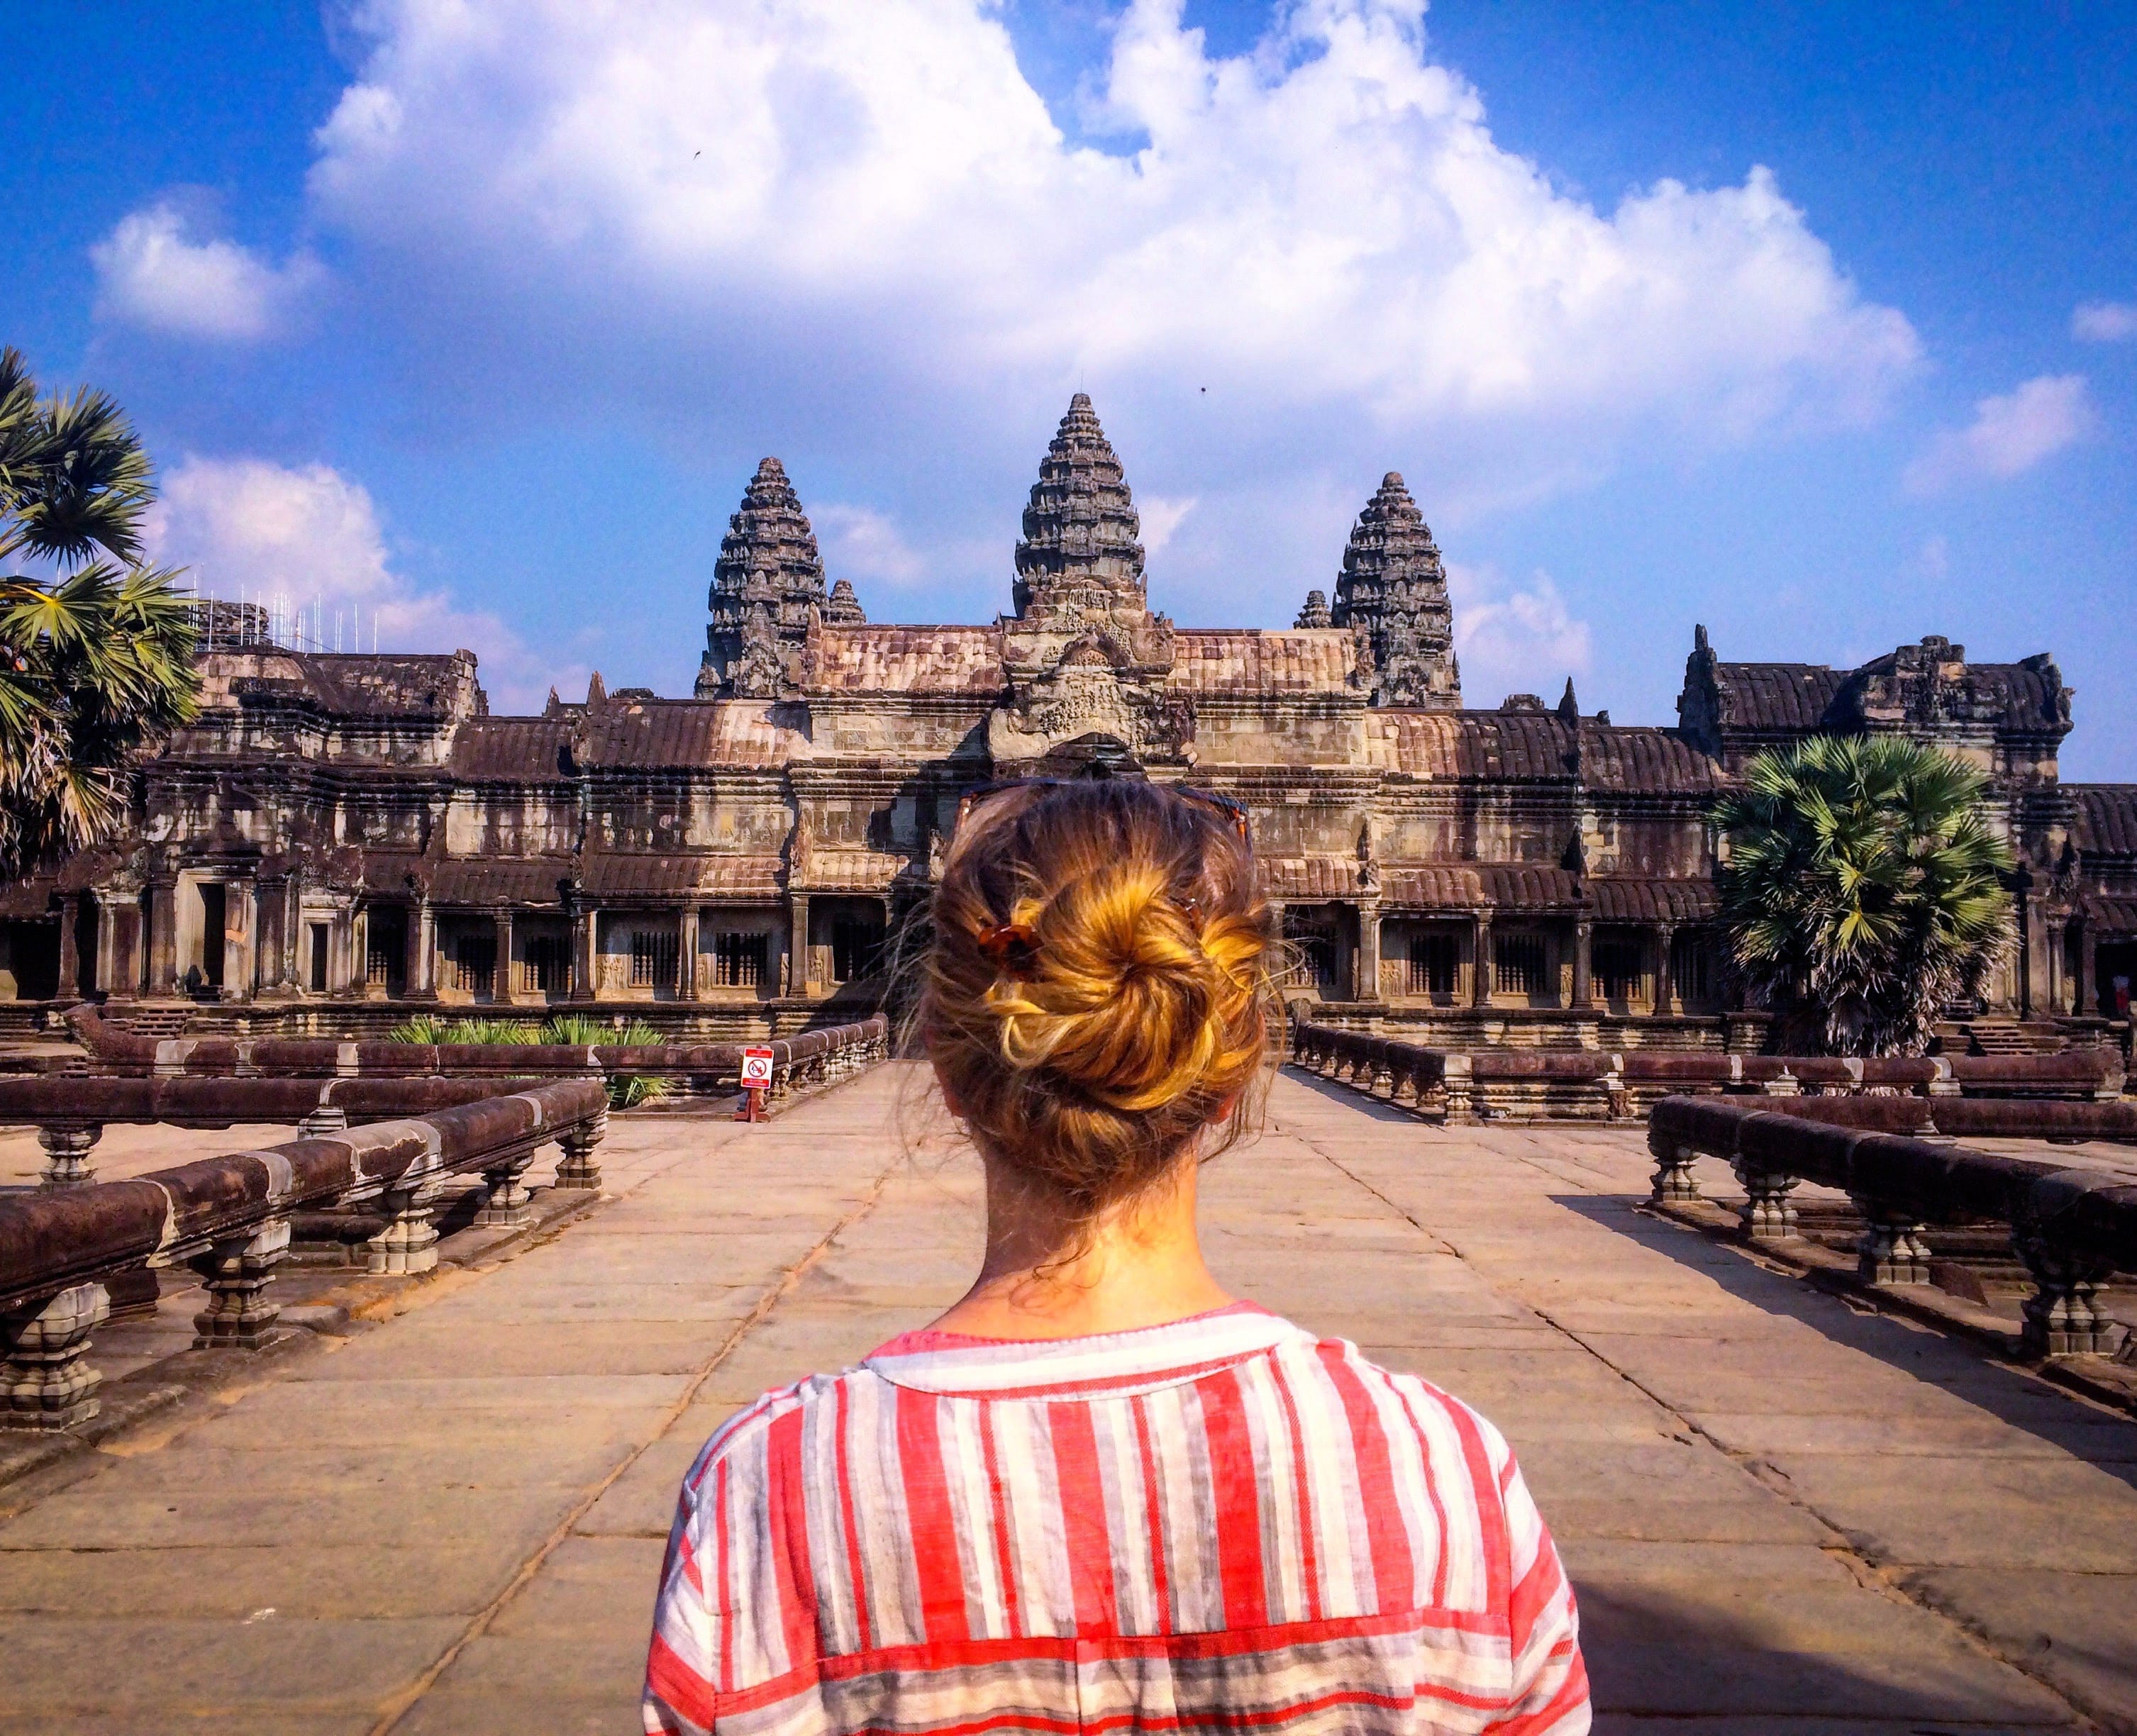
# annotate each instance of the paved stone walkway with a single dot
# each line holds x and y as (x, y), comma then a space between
(1782, 1515)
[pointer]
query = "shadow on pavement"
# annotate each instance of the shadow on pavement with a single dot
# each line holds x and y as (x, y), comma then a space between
(2046, 1412)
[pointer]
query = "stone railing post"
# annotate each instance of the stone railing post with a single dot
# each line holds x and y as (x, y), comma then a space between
(579, 1168)
(236, 1274)
(44, 1384)
(1674, 1177)
(1891, 1250)
(66, 1156)
(506, 1204)
(1768, 1213)
(1458, 1076)
(2062, 1315)
(408, 1245)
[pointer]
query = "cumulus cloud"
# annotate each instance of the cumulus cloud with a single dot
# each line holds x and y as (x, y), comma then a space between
(1161, 515)
(2105, 322)
(2009, 434)
(840, 201)
(247, 527)
(860, 544)
(156, 271)
(1513, 636)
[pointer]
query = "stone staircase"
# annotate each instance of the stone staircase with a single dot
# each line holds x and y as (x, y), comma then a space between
(158, 1022)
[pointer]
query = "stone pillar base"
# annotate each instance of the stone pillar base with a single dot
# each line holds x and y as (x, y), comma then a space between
(44, 1381)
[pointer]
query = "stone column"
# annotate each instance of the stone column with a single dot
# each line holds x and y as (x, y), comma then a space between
(1664, 989)
(2057, 997)
(240, 931)
(236, 1274)
(1583, 966)
(276, 949)
(421, 970)
(164, 939)
(585, 959)
(1480, 963)
(70, 988)
(66, 1156)
(686, 957)
(797, 943)
(2088, 972)
(344, 954)
(45, 1384)
(504, 991)
(1368, 949)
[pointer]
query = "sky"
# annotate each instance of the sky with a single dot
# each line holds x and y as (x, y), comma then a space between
(469, 319)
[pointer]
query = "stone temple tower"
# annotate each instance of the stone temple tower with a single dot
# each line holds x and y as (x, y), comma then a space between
(1079, 555)
(1393, 593)
(767, 579)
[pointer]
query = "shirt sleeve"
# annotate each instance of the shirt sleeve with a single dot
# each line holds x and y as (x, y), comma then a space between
(681, 1660)
(1549, 1693)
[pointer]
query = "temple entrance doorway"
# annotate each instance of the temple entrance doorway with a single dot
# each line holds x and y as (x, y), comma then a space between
(2114, 971)
(29, 961)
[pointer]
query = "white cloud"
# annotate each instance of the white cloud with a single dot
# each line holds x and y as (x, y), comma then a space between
(153, 271)
(1513, 637)
(246, 527)
(849, 199)
(2105, 322)
(859, 542)
(1161, 515)
(2009, 434)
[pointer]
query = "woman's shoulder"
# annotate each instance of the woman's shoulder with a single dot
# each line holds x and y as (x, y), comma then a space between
(1375, 1398)
(769, 1431)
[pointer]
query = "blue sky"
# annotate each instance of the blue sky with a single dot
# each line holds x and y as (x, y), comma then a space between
(475, 319)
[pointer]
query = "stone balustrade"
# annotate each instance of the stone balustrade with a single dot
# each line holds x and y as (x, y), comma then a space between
(2072, 1228)
(1595, 1085)
(703, 1067)
(228, 1218)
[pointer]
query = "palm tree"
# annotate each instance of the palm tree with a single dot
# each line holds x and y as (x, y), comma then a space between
(1862, 892)
(95, 660)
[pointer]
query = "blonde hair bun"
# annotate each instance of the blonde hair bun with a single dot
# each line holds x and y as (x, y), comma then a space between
(1095, 991)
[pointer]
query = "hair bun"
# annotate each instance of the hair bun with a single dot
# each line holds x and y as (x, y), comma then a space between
(1134, 1016)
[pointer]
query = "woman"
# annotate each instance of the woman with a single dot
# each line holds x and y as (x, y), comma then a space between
(1098, 1493)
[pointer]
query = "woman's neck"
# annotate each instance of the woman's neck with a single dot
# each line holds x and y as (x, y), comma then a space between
(1049, 1275)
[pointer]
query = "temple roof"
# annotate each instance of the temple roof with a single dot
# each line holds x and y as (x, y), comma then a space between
(2107, 818)
(514, 750)
(1778, 698)
(425, 686)
(860, 661)
(637, 733)
(1523, 745)
(1250, 662)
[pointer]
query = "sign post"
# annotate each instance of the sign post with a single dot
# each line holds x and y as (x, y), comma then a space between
(755, 1081)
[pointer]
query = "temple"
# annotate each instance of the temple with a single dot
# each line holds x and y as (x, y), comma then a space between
(340, 840)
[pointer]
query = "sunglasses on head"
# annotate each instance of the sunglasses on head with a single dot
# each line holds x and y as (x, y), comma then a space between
(1233, 814)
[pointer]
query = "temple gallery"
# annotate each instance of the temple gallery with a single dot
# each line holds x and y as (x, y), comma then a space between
(341, 839)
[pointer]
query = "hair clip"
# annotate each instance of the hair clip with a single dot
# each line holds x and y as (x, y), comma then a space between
(1009, 947)
(1192, 911)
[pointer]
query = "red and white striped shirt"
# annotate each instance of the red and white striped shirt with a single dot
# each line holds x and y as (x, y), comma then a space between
(1221, 1523)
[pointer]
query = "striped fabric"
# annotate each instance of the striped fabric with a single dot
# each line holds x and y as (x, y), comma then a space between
(1219, 1523)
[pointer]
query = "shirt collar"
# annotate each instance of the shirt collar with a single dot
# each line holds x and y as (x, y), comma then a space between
(1110, 1365)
